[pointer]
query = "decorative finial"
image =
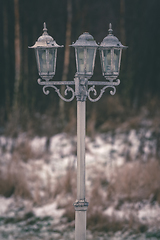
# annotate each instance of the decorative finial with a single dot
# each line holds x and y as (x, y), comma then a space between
(44, 29)
(110, 29)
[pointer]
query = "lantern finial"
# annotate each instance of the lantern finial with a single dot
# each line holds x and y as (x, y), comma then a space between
(110, 29)
(45, 29)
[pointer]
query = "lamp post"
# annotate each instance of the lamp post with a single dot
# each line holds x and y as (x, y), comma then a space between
(85, 52)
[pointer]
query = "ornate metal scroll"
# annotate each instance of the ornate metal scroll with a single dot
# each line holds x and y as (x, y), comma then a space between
(107, 84)
(92, 89)
(57, 90)
(81, 88)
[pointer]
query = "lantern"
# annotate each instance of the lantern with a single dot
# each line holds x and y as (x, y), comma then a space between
(85, 51)
(110, 54)
(46, 55)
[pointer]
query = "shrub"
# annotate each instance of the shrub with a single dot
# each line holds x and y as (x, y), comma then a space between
(65, 190)
(136, 181)
(23, 151)
(98, 221)
(13, 182)
(66, 184)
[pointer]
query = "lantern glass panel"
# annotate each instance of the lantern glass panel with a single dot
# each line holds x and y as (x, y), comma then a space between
(51, 59)
(90, 60)
(107, 60)
(80, 59)
(116, 59)
(85, 60)
(42, 60)
(46, 60)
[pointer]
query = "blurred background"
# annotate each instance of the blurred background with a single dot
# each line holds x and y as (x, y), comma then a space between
(38, 132)
(23, 106)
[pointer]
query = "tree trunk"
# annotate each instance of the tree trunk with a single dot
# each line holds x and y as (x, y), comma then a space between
(17, 55)
(66, 54)
(6, 60)
(122, 22)
(25, 71)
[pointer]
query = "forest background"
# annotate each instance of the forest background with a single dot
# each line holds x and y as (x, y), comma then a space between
(24, 107)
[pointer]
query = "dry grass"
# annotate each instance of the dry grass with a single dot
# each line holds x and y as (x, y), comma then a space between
(23, 152)
(98, 221)
(14, 182)
(66, 185)
(132, 182)
(135, 182)
(69, 211)
(65, 191)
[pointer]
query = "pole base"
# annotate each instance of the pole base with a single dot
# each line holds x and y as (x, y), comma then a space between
(80, 219)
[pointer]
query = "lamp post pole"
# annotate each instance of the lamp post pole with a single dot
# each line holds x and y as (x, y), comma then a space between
(80, 204)
(85, 51)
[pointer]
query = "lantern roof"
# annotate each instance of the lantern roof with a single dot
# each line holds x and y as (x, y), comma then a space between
(110, 40)
(85, 40)
(45, 41)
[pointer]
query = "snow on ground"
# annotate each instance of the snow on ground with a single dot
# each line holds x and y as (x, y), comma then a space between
(149, 213)
(53, 157)
(4, 204)
(49, 210)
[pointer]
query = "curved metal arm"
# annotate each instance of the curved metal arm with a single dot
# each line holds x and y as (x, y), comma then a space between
(81, 88)
(92, 89)
(68, 89)
(51, 84)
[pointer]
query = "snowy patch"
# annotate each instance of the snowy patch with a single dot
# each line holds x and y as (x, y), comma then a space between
(38, 145)
(49, 210)
(149, 213)
(4, 204)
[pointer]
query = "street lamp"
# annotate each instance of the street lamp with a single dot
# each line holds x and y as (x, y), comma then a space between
(46, 55)
(85, 52)
(110, 54)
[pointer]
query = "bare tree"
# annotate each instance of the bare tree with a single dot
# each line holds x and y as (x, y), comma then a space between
(17, 54)
(122, 21)
(6, 59)
(67, 53)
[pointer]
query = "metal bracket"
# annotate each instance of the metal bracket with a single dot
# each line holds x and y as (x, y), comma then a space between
(52, 84)
(106, 84)
(81, 88)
